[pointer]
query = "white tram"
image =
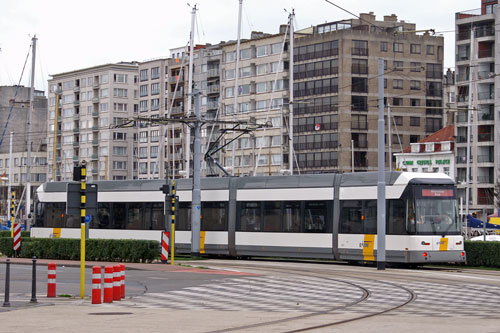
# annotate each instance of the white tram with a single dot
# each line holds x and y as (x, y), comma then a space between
(330, 216)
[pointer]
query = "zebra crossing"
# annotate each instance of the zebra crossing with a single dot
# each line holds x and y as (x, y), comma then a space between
(315, 294)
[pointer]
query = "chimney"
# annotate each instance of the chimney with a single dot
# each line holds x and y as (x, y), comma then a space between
(391, 18)
(367, 16)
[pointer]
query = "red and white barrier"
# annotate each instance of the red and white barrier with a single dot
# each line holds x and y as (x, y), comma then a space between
(122, 281)
(117, 282)
(108, 284)
(51, 280)
(17, 237)
(96, 285)
(165, 236)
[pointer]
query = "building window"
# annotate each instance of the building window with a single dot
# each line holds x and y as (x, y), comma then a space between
(261, 87)
(155, 104)
(143, 106)
(415, 66)
(414, 121)
(398, 65)
(143, 152)
(414, 102)
(120, 151)
(155, 73)
(143, 90)
(276, 48)
(360, 47)
(229, 74)
(143, 137)
(359, 84)
(120, 78)
(359, 103)
(120, 107)
(155, 88)
(117, 136)
(119, 165)
(143, 75)
(398, 47)
(430, 49)
(118, 92)
(359, 66)
(245, 71)
(383, 46)
(414, 85)
(261, 69)
(155, 136)
(245, 54)
(398, 120)
(397, 101)
(415, 48)
(104, 78)
(230, 56)
(359, 122)
(245, 107)
(397, 84)
(261, 50)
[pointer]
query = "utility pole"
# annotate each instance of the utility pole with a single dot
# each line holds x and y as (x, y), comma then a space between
(352, 156)
(56, 121)
(196, 199)
(190, 93)
(236, 88)
(10, 184)
(290, 116)
(30, 116)
(469, 116)
(381, 171)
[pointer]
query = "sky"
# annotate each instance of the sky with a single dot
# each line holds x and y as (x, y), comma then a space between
(79, 34)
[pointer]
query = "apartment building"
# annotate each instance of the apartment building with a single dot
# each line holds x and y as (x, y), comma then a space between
(478, 28)
(93, 103)
(336, 90)
(262, 97)
(153, 103)
(14, 107)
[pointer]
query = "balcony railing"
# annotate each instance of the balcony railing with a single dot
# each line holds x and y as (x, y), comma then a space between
(213, 72)
(461, 118)
(485, 159)
(484, 180)
(213, 89)
(177, 109)
(485, 137)
(462, 98)
(485, 95)
(360, 144)
(212, 105)
(485, 53)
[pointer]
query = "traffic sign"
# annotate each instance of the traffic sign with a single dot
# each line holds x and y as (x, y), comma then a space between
(88, 218)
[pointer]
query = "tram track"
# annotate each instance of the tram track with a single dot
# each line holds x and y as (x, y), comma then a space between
(367, 294)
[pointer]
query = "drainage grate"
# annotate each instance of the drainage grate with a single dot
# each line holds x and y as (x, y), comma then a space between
(110, 313)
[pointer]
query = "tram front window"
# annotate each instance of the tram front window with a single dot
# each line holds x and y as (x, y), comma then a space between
(435, 211)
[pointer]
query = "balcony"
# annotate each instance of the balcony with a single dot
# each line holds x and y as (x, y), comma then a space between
(485, 53)
(94, 157)
(76, 88)
(484, 180)
(485, 137)
(462, 98)
(95, 100)
(177, 110)
(76, 117)
(76, 130)
(95, 114)
(58, 146)
(462, 159)
(95, 85)
(485, 159)
(461, 118)
(95, 142)
(76, 103)
(212, 105)
(360, 144)
(462, 57)
(213, 89)
(95, 172)
(213, 72)
(173, 79)
(178, 94)
(75, 158)
(95, 128)
(76, 144)
(485, 95)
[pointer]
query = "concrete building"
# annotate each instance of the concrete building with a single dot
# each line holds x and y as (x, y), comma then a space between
(435, 153)
(449, 97)
(336, 90)
(262, 97)
(484, 139)
(14, 106)
(93, 105)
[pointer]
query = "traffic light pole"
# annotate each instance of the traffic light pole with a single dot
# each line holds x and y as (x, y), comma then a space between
(83, 198)
(196, 200)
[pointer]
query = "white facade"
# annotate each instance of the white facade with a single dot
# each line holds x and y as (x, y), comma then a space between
(428, 160)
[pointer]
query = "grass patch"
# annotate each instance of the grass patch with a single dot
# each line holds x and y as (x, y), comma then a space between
(65, 295)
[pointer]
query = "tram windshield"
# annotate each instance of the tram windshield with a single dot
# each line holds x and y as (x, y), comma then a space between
(435, 211)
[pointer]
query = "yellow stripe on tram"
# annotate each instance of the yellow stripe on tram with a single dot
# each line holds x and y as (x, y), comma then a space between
(443, 244)
(202, 242)
(368, 245)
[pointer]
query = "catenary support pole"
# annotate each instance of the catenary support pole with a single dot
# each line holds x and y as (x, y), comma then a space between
(196, 200)
(389, 139)
(187, 142)
(30, 117)
(6, 302)
(290, 108)
(469, 116)
(9, 190)
(236, 88)
(381, 171)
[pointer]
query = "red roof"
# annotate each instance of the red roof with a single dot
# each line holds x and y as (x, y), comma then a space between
(443, 135)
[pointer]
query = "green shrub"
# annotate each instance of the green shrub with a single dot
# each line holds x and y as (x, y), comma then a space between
(483, 253)
(128, 250)
(6, 233)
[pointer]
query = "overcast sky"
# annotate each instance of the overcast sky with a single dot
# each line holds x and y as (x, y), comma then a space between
(79, 34)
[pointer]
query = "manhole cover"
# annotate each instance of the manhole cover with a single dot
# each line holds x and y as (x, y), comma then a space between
(110, 313)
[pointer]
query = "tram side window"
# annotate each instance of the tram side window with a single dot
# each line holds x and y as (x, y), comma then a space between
(396, 218)
(250, 216)
(351, 217)
(134, 216)
(153, 217)
(370, 217)
(214, 216)
(119, 215)
(54, 215)
(183, 221)
(291, 216)
(272, 215)
(315, 216)
(103, 216)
